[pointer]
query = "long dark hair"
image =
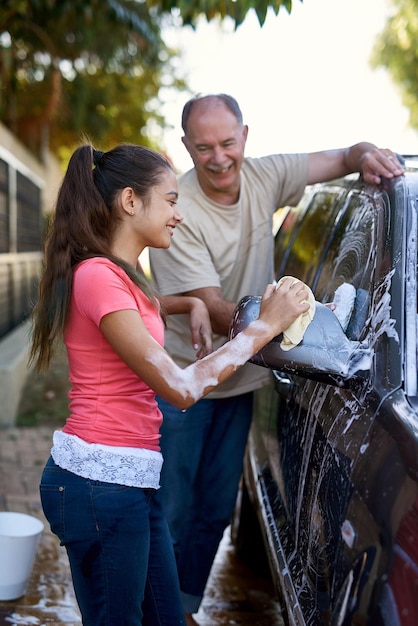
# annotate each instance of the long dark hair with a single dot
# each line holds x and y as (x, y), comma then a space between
(83, 225)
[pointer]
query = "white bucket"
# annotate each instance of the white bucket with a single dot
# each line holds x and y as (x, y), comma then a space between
(19, 538)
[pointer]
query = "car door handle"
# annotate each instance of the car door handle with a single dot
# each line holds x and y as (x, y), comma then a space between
(282, 383)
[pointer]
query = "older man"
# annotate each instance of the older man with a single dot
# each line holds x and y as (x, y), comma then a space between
(222, 252)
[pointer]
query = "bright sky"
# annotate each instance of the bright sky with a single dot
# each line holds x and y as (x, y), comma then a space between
(303, 81)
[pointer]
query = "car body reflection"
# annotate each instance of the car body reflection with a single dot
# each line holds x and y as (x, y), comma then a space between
(331, 468)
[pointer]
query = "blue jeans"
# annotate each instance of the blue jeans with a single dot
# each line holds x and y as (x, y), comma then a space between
(203, 451)
(119, 549)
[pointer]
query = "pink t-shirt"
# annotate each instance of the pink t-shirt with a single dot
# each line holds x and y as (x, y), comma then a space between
(109, 404)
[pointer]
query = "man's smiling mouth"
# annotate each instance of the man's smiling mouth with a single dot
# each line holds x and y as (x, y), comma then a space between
(220, 170)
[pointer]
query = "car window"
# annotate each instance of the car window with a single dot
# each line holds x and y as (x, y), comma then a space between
(300, 243)
(349, 265)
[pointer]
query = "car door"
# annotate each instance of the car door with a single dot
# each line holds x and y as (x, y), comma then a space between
(320, 428)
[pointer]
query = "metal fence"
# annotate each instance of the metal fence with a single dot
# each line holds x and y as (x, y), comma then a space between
(19, 277)
(20, 243)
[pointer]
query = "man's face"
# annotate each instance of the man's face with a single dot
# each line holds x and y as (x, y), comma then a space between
(216, 140)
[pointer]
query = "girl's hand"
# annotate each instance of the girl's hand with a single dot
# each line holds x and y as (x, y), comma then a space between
(282, 304)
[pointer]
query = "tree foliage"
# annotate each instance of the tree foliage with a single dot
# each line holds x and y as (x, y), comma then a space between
(70, 68)
(396, 49)
(189, 10)
(81, 67)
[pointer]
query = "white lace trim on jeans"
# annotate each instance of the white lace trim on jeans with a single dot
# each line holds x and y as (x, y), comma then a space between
(134, 467)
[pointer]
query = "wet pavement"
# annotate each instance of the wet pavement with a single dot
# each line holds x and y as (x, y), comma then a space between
(234, 595)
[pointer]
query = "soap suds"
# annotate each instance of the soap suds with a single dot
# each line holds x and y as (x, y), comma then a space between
(200, 377)
(344, 299)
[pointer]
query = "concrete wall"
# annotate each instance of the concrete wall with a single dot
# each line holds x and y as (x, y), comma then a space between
(14, 351)
(14, 347)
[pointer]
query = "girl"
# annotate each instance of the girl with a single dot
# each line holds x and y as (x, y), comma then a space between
(98, 486)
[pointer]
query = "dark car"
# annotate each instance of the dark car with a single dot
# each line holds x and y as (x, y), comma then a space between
(331, 467)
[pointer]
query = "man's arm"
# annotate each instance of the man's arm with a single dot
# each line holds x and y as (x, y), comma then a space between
(372, 162)
(220, 310)
(199, 320)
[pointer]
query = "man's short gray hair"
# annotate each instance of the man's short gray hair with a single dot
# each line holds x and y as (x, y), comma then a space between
(228, 101)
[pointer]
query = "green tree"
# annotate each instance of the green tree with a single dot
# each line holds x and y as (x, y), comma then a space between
(78, 66)
(396, 49)
(189, 10)
(72, 67)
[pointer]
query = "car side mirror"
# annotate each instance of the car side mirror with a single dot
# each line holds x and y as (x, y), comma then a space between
(325, 352)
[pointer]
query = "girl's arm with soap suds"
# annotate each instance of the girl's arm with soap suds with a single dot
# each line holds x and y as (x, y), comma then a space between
(182, 387)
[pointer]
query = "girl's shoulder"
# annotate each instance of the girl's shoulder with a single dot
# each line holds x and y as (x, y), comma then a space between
(97, 272)
(97, 265)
